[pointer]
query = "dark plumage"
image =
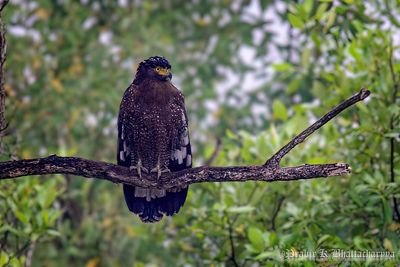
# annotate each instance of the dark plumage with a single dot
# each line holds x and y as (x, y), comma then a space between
(153, 136)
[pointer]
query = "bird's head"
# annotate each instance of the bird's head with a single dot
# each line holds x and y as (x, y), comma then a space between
(154, 68)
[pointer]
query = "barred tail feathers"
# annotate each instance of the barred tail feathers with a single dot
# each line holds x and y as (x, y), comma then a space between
(151, 204)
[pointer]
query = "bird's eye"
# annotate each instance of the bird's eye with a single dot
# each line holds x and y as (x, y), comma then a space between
(158, 69)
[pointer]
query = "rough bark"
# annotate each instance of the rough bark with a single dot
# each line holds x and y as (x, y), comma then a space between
(119, 174)
(3, 49)
(270, 171)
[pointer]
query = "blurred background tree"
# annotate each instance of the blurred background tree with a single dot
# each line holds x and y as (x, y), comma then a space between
(254, 73)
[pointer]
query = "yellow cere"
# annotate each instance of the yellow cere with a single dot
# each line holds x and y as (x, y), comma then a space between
(162, 71)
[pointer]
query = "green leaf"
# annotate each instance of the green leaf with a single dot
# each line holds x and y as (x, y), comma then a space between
(293, 86)
(282, 66)
(275, 137)
(308, 5)
(355, 52)
(256, 238)
(3, 258)
(21, 216)
(296, 21)
(242, 209)
(305, 57)
(53, 232)
(355, 197)
(358, 242)
(388, 245)
(17, 262)
(53, 216)
(11, 229)
(331, 20)
(392, 135)
(279, 110)
(320, 11)
(268, 255)
(231, 135)
(273, 239)
(322, 239)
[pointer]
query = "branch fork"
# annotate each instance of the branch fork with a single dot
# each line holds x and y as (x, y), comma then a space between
(269, 172)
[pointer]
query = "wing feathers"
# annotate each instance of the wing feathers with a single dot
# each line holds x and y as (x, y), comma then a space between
(181, 156)
(123, 149)
(150, 204)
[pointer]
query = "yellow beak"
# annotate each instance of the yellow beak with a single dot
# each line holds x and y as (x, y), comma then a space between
(163, 71)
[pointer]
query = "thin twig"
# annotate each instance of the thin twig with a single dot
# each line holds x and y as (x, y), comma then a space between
(396, 85)
(29, 255)
(395, 204)
(233, 251)
(3, 242)
(18, 252)
(277, 209)
(276, 158)
(3, 50)
(3, 4)
(217, 149)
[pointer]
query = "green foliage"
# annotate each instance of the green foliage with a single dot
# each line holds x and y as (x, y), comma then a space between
(24, 221)
(64, 80)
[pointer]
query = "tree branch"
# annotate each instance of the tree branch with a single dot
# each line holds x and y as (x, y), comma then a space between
(3, 48)
(276, 158)
(269, 172)
(119, 174)
(396, 86)
(3, 4)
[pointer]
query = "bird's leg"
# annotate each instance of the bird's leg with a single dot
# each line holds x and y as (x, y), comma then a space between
(159, 170)
(139, 168)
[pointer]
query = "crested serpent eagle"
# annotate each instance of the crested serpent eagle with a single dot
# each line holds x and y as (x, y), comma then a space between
(153, 137)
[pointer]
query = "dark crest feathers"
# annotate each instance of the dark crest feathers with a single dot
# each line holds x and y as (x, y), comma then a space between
(150, 63)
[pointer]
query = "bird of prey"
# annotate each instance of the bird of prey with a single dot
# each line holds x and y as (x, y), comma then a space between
(153, 137)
